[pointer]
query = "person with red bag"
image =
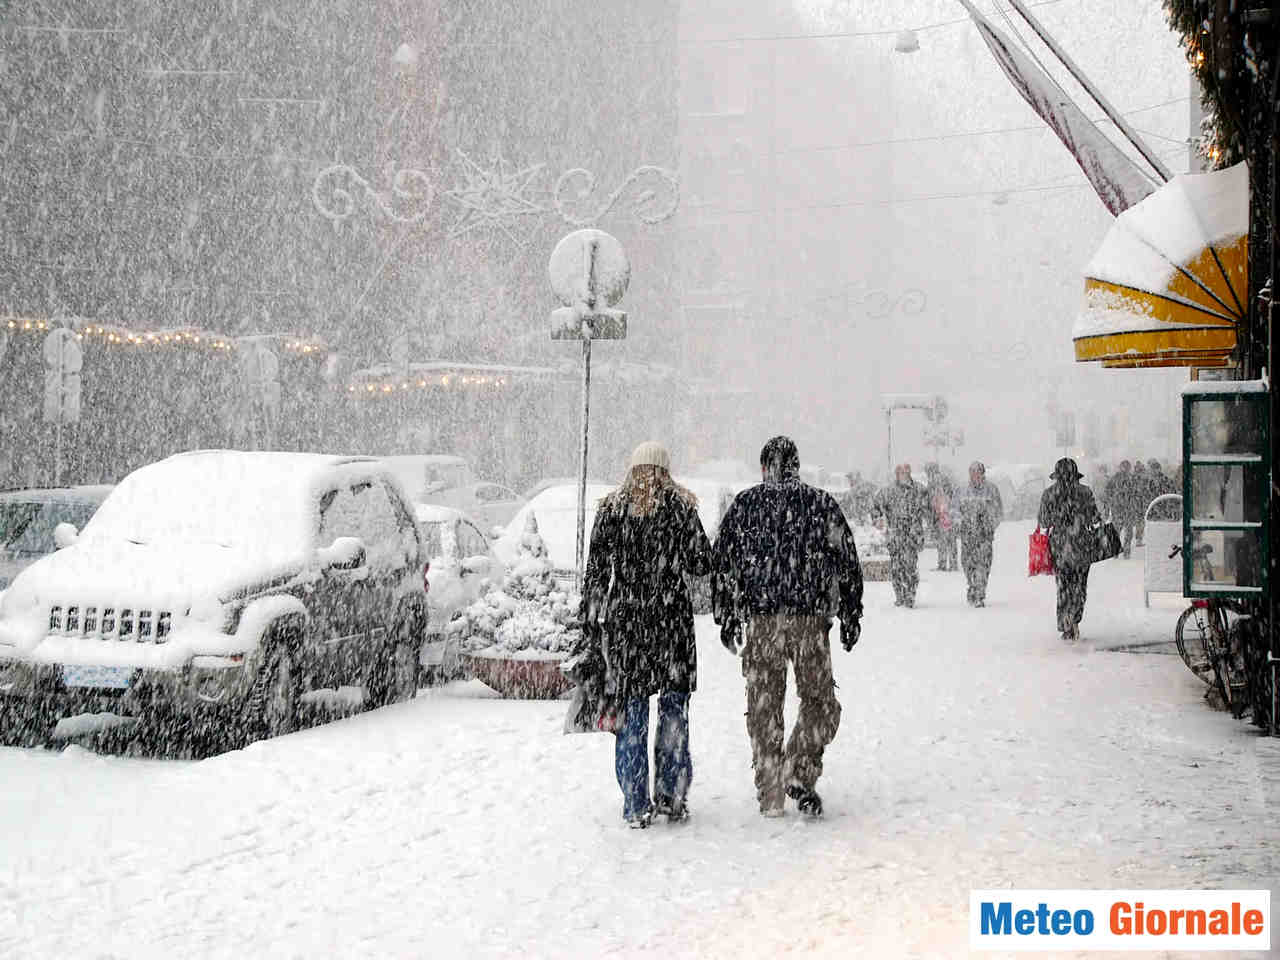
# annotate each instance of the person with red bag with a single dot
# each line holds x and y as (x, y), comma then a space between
(1039, 560)
(1068, 513)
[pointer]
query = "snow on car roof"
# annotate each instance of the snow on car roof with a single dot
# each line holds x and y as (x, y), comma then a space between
(263, 500)
(425, 458)
(556, 510)
(88, 493)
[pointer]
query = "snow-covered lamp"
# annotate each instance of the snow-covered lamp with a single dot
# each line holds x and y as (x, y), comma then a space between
(906, 42)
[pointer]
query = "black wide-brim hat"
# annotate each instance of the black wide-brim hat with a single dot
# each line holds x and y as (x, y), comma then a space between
(1065, 469)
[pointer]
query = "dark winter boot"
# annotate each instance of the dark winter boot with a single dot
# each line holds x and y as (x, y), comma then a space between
(640, 821)
(807, 800)
(674, 810)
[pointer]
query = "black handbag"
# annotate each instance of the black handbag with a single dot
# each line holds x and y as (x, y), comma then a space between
(1107, 541)
(594, 704)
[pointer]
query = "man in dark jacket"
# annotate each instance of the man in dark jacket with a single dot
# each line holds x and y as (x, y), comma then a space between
(1068, 514)
(978, 511)
(903, 509)
(784, 563)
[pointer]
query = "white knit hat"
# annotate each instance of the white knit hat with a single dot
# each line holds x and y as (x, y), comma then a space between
(651, 453)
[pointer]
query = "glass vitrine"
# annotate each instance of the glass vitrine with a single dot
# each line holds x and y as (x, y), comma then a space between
(1225, 477)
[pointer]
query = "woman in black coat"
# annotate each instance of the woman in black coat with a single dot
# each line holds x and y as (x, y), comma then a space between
(646, 540)
(1069, 514)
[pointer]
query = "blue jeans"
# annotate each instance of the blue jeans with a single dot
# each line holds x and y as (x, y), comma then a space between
(673, 768)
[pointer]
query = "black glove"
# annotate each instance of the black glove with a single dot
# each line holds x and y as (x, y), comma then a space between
(730, 631)
(850, 630)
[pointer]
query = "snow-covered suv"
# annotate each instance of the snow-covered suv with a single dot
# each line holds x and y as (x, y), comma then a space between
(216, 587)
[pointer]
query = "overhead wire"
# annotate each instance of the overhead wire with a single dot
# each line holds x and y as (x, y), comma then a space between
(1056, 183)
(845, 34)
(961, 134)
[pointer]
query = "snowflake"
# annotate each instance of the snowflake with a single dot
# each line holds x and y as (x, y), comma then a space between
(494, 197)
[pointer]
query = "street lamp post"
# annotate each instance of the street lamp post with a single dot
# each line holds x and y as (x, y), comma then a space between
(589, 272)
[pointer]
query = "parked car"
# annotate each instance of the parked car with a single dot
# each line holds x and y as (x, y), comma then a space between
(491, 504)
(462, 568)
(548, 482)
(28, 519)
(421, 475)
(216, 588)
(556, 511)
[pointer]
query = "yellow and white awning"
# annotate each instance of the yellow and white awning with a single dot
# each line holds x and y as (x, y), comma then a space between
(1168, 286)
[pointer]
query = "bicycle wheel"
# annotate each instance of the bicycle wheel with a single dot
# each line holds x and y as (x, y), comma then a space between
(1246, 681)
(1218, 648)
(1190, 636)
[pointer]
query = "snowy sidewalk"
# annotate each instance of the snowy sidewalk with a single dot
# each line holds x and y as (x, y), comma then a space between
(975, 750)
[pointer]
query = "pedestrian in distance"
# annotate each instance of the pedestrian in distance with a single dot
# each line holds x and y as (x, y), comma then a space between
(979, 510)
(1069, 514)
(646, 541)
(784, 565)
(1160, 484)
(902, 510)
(1141, 498)
(1120, 498)
(941, 492)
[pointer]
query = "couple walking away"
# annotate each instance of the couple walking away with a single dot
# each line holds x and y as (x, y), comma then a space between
(783, 566)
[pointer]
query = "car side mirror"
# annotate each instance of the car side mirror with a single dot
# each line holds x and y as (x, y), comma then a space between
(345, 553)
(65, 534)
(497, 532)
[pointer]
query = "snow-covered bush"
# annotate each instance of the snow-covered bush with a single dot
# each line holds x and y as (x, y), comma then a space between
(530, 613)
(870, 542)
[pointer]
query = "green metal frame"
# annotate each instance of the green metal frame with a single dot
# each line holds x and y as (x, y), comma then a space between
(1262, 459)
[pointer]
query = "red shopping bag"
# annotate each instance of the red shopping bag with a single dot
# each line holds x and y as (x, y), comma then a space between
(1039, 560)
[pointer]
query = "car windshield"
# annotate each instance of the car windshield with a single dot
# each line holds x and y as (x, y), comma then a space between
(231, 503)
(26, 526)
(443, 476)
(432, 538)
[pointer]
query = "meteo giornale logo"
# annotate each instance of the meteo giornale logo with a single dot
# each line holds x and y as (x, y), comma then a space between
(1120, 919)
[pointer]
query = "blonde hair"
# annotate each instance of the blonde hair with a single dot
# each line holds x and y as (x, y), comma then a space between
(640, 491)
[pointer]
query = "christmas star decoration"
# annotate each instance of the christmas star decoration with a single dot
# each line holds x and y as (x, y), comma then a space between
(495, 197)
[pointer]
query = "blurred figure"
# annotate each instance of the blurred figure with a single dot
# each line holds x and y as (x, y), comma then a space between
(1119, 498)
(1068, 514)
(1160, 484)
(941, 492)
(646, 541)
(902, 509)
(1141, 498)
(979, 510)
(785, 564)
(861, 494)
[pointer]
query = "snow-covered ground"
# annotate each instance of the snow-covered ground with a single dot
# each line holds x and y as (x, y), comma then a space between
(975, 751)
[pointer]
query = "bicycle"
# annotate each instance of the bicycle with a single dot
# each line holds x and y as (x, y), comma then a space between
(1213, 647)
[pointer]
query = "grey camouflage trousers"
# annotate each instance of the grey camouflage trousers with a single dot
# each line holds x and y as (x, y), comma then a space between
(771, 641)
(975, 557)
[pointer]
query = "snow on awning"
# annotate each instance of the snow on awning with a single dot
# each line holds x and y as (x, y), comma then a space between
(1169, 283)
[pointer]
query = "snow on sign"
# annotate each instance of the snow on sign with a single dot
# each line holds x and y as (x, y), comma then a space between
(589, 272)
(64, 359)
